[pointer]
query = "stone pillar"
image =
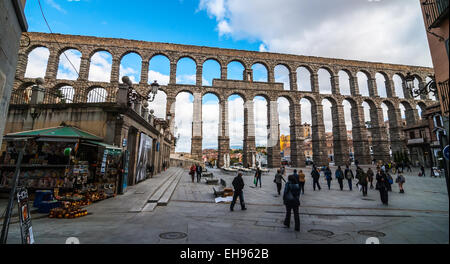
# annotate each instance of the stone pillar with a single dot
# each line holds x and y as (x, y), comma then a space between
(137, 107)
(144, 72)
(170, 109)
(297, 139)
(22, 61)
(379, 135)
(293, 80)
(360, 136)
(335, 84)
(354, 87)
(422, 96)
(224, 138)
(247, 75)
(273, 136)
(395, 130)
(340, 143)
(223, 72)
(84, 68)
(271, 75)
(314, 82)
(115, 70)
(319, 144)
(52, 65)
(406, 93)
(173, 72)
(249, 134)
(390, 88)
(196, 141)
(372, 85)
(199, 75)
(412, 116)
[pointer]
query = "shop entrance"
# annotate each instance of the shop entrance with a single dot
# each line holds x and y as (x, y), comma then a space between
(131, 147)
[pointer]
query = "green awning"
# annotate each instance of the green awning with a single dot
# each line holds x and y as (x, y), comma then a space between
(68, 132)
(113, 150)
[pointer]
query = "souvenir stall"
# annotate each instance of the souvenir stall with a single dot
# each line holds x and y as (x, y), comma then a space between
(64, 169)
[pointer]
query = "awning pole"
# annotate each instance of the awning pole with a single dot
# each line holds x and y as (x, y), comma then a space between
(12, 194)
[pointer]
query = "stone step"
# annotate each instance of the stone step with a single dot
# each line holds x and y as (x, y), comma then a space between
(149, 207)
(138, 207)
(168, 194)
(160, 192)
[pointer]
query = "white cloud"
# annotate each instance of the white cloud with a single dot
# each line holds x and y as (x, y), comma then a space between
(183, 121)
(56, 6)
(385, 31)
(100, 67)
(130, 72)
(210, 118)
(65, 70)
(159, 105)
(159, 77)
(236, 121)
(37, 63)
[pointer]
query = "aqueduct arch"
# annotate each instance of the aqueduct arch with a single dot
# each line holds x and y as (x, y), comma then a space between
(248, 89)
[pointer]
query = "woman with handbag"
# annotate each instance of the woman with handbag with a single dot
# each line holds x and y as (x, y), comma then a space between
(291, 199)
(277, 180)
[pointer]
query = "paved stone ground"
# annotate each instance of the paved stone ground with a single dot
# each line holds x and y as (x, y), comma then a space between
(418, 216)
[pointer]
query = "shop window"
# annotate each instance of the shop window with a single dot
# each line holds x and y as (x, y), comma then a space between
(412, 135)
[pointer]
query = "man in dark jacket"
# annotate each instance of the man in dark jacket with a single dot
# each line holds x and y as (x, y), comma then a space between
(362, 180)
(349, 176)
(291, 199)
(315, 174)
(238, 185)
(199, 170)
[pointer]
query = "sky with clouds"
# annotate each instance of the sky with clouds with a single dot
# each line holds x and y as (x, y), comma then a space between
(390, 31)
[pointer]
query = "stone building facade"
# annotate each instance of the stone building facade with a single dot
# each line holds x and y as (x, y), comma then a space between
(12, 24)
(248, 89)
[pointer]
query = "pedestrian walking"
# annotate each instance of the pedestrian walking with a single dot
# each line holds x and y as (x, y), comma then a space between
(257, 179)
(339, 174)
(400, 181)
(370, 177)
(291, 199)
(328, 177)
(238, 185)
(199, 170)
(278, 181)
(315, 174)
(349, 176)
(408, 166)
(283, 170)
(390, 181)
(362, 180)
(382, 186)
(422, 170)
(192, 171)
(301, 181)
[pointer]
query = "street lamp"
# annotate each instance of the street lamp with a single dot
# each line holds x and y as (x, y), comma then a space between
(430, 87)
(153, 91)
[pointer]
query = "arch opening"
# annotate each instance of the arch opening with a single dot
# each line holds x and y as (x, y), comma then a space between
(37, 63)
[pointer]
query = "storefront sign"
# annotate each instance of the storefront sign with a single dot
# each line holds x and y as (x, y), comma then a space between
(103, 168)
(124, 142)
(26, 229)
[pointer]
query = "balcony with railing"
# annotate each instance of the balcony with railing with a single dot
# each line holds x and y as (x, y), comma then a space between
(435, 12)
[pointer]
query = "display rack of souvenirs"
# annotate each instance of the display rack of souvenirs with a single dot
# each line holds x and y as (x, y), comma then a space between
(68, 210)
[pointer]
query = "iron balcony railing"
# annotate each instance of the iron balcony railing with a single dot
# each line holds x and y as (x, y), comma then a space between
(435, 12)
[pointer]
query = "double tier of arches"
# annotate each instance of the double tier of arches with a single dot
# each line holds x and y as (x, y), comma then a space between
(94, 72)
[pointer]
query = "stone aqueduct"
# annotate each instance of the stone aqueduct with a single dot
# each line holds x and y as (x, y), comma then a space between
(248, 89)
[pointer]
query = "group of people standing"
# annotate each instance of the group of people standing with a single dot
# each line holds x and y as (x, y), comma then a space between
(294, 186)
